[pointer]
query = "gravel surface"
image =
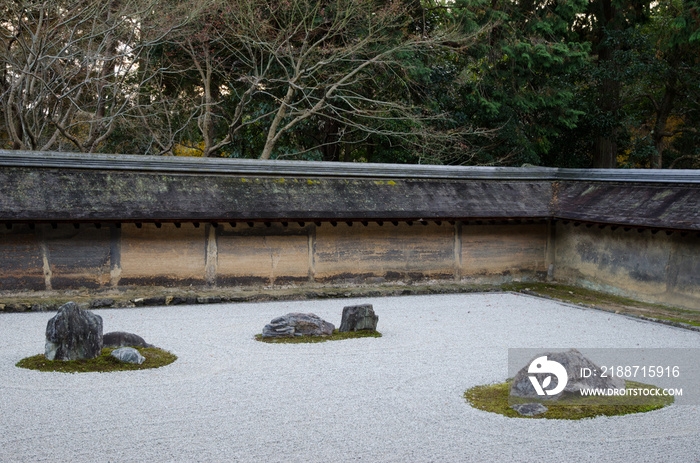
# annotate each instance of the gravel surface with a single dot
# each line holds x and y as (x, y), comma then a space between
(398, 398)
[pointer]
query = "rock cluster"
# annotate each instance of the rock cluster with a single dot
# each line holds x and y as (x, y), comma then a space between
(355, 318)
(297, 324)
(358, 317)
(73, 334)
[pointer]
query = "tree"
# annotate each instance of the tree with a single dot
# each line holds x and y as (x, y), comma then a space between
(669, 83)
(521, 77)
(642, 99)
(69, 70)
(583, 83)
(608, 25)
(278, 65)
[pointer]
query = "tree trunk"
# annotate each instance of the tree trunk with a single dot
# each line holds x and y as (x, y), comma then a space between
(272, 135)
(107, 72)
(207, 122)
(605, 146)
(605, 152)
(663, 112)
(331, 148)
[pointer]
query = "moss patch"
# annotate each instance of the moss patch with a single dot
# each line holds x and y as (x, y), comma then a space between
(155, 358)
(137, 296)
(494, 398)
(608, 302)
(336, 336)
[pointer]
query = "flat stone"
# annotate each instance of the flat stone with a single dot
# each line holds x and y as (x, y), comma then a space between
(277, 331)
(297, 324)
(42, 307)
(530, 409)
(128, 355)
(122, 339)
(73, 334)
(96, 303)
(157, 300)
(177, 300)
(358, 317)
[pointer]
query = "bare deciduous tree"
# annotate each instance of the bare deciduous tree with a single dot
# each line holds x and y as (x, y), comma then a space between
(297, 59)
(76, 72)
(70, 69)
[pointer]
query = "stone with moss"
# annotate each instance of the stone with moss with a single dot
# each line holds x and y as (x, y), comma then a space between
(529, 409)
(73, 333)
(358, 317)
(123, 339)
(297, 324)
(335, 336)
(572, 363)
(496, 398)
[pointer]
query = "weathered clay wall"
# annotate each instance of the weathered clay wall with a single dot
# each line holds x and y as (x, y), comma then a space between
(503, 251)
(261, 254)
(91, 221)
(162, 256)
(647, 265)
(22, 253)
(63, 256)
(391, 252)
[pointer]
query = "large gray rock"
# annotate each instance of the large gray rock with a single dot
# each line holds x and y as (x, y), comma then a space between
(358, 317)
(122, 339)
(73, 334)
(573, 363)
(128, 355)
(297, 324)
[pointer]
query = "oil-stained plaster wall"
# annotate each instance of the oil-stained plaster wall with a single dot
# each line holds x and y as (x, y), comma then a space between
(390, 252)
(656, 267)
(652, 266)
(44, 257)
(400, 223)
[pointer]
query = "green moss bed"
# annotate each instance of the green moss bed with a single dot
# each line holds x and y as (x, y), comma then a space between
(494, 398)
(608, 302)
(336, 336)
(155, 358)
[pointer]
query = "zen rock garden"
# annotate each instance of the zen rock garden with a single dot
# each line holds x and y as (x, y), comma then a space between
(77, 334)
(74, 334)
(354, 318)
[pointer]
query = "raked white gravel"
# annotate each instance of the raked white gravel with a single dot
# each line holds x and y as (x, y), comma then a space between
(398, 398)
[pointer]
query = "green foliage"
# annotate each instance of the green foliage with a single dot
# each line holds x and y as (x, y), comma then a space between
(643, 92)
(573, 84)
(520, 79)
